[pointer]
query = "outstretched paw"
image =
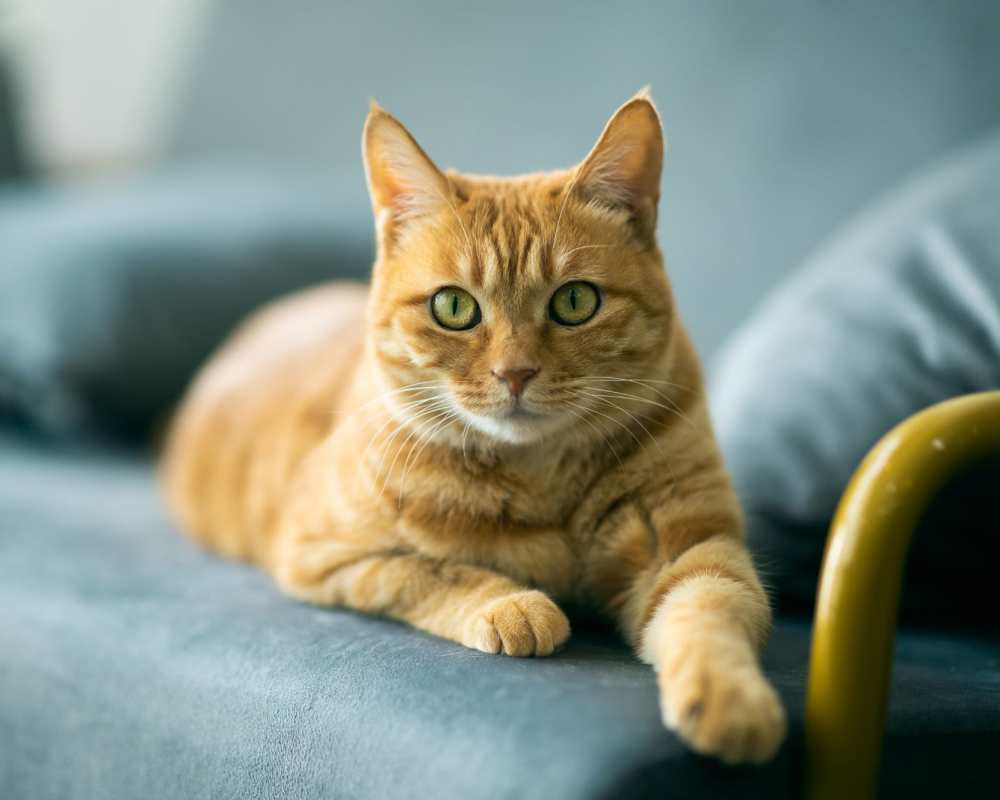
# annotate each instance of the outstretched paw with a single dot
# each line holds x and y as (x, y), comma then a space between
(730, 712)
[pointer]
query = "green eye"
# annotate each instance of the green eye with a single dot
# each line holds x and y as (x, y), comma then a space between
(455, 309)
(574, 303)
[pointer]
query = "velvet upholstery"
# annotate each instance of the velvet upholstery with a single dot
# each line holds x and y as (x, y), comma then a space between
(135, 665)
(111, 295)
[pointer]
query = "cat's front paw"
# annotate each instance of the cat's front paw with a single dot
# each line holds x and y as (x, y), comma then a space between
(523, 624)
(730, 712)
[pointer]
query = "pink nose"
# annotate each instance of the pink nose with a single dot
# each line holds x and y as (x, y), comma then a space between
(515, 378)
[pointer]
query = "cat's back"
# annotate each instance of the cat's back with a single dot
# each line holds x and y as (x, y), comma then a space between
(260, 403)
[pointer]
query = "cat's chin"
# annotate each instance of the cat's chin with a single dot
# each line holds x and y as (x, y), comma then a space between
(517, 427)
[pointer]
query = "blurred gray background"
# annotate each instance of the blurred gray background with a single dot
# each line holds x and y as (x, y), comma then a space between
(783, 117)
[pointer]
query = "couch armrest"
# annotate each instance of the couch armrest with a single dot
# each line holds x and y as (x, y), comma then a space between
(860, 585)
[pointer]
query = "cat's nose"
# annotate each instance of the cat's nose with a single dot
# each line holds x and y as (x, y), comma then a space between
(515, 379)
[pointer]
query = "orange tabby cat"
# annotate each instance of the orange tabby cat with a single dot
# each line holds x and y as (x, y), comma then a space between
(512, 415)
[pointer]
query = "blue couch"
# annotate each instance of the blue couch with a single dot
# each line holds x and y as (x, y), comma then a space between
(133, 664)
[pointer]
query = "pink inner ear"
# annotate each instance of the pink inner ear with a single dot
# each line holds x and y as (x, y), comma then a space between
(625, 165)
(401, 177)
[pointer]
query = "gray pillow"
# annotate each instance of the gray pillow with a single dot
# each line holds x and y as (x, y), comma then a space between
(901, 311)
(110, 298)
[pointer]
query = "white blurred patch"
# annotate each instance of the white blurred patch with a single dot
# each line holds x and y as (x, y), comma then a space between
(98, 78)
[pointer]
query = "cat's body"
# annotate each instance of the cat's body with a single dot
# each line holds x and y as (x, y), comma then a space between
(462, 445)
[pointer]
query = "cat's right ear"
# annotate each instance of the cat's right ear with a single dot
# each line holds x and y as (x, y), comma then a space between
(403, 182)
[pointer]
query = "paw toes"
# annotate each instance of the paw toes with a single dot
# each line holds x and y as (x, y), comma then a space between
(524, 624)
(515, 630)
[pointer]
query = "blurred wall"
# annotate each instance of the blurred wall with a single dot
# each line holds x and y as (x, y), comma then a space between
(784, 117)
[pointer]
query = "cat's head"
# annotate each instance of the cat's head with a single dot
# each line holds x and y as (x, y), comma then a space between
(514, 307)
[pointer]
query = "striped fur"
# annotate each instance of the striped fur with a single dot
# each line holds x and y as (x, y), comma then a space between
(368, 457)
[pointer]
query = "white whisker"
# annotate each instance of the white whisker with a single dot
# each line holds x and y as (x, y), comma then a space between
(406, 407)
(673, 409)
(568, 253)
(620, 424)
(431, 411)
(604, 436)
(412, 387)
(465, 433)
(630, 415)
(465, 231)
(645, 383)
(562, 207)
(416, 457)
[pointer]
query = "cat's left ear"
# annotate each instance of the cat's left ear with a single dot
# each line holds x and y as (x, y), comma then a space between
(403, 182)
(623, 169)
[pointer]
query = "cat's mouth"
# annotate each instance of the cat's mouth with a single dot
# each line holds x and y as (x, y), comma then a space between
(515, 421)
(518, 413)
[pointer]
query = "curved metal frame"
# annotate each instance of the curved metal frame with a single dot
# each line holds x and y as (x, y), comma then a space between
(858, 598)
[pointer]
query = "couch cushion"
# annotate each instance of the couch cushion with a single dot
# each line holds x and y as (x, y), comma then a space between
(110, 296)
(135, 665)
(900, 311)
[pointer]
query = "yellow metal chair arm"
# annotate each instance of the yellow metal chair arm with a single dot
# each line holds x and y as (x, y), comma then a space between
(859, 588)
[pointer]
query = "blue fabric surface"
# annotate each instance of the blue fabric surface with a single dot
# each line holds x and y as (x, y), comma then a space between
(134, 665)
(899, 312)
(111, 295)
